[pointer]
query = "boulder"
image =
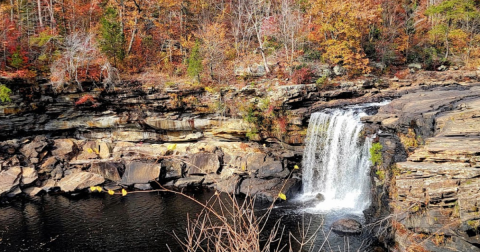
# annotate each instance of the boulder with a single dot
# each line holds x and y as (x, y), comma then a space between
(79, 181)
(108, 169)
(252, 186)
(9, 179)
(57, 173)
(347, 227)
(172, 169)
(203, 163)
(272, 168)
(140, 173)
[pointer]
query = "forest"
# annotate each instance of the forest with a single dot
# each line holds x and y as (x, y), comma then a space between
(214, 41)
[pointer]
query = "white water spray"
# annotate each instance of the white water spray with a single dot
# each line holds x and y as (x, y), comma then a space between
(336, 161)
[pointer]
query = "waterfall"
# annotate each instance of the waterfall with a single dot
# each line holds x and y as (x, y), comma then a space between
(336, 160)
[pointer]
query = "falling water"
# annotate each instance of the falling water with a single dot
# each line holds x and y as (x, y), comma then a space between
(336, 160)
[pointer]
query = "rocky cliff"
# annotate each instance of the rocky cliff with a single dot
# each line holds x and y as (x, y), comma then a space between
(430, 178)
(134, 135)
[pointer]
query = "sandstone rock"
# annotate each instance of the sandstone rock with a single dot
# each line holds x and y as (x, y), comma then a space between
(108, 169)
(29, 175)
(290, 187)
(415, 66)
(64, 148)
(79, 181)
(104, 150)
(203, 163)
(9, 179)
(32, 191)
(143, 187)
(14, 192)
(48, 165)
(172, 169)
(140, 173)
(57, 173)
(189, 181)
(347, 226)
(32, 149)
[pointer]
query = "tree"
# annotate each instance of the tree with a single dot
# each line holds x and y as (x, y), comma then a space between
(214, 46)
(195, 62)
(456, 20)
(341, 27)
(113, 40)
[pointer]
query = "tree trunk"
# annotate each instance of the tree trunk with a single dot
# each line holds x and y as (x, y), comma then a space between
(39, 6)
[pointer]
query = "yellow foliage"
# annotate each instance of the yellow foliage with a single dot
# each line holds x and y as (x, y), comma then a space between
(93, 188)
(99, 189)
(296, 167)
(124, 192)
(171, 147)
(111, 192)
(282, 196)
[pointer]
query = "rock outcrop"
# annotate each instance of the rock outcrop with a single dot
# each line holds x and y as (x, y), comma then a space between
(431, 150)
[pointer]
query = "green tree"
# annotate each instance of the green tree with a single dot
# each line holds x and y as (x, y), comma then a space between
(16, 60)
(113, 40)
(195, 62)
(453, 17)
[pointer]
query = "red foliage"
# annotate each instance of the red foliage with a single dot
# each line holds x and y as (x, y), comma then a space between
(282, 124)
(84, 99)
(402, 74)
(303, 75)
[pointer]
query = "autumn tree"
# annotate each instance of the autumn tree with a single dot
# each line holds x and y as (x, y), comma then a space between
(340, 27)
(456, 23)
(214, 47)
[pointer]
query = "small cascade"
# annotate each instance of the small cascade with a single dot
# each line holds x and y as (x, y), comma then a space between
(336, 160)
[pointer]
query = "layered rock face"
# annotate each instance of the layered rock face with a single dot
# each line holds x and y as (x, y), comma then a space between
(431, 150)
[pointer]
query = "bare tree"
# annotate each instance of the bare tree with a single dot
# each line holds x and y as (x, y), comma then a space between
(80, 52)
(290, 27)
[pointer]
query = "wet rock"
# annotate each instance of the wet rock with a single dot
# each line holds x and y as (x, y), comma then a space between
(16, 191)
(140, 173)
(347, 227)
(9, 179)
(320, 197)
(79, 181)
(143, 187)
(108, 169)
(193, 181)
(32, 191)
(289, 187)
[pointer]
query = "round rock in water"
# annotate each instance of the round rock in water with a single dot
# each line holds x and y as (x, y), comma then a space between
(347, 227)
(320, 197)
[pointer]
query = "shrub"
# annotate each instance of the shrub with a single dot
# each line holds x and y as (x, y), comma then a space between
(376, 154)
(5, 93)
(303, 75)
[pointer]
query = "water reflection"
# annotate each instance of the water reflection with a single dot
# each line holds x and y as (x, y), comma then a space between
(138, 222)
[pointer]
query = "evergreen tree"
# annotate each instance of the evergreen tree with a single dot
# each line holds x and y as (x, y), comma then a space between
(113, 40)
(195, 62)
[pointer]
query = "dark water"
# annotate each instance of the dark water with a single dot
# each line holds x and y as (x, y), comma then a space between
(136, 222)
